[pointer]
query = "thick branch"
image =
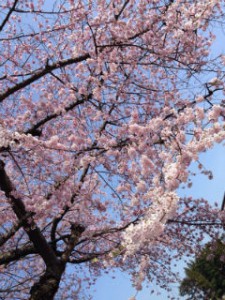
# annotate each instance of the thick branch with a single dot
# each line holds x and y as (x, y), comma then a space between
(16, 254)
(76, 231)
(34, 233)
(48, 284)
(19, 253)
(50, 117)
(39, 74)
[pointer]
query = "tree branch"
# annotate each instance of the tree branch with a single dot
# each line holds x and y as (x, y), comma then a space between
(32, 230)
(4, 238)
(76, 231)
(57, 219)
(195, 223)
(17, 254)
(121, 10)
(8, 15)
(40, 73)
(50, 117)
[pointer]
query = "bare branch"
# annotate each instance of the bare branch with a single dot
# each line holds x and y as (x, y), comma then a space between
(8, 15)
(122, 9)
(16, 254)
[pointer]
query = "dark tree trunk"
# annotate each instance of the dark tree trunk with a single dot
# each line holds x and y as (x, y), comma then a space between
(48, 284)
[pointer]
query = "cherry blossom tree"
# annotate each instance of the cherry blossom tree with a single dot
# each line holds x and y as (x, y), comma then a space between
(104, 105)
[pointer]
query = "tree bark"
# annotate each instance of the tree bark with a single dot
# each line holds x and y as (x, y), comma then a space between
(48, 284)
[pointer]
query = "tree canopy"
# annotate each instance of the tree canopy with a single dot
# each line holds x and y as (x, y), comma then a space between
(205, 276)
(103, 106)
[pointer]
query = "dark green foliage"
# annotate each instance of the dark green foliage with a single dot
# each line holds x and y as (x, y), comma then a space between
(205, 277)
